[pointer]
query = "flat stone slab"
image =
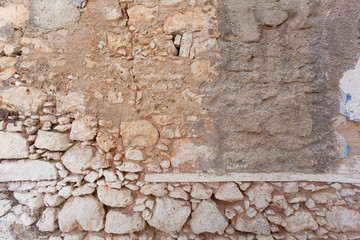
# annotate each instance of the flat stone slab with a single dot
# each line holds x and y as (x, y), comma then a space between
(253, 177)
(27, 170)
(13, 145)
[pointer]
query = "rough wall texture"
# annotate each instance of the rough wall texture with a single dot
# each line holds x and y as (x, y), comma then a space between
(96, 94)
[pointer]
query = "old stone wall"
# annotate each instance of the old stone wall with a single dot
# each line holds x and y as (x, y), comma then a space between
(105, 104)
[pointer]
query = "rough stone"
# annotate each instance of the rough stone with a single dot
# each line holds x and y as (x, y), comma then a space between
(116, 41)
(47, 222)
(172, 131)
(260, 195)
(139, 133)
(179, 193)
(269, 17)
(203, 70)
(229, 192)
(141, 13)
(52, 141)
(27, 170)
(82, 213)
(325, 197)
(71, 102)
(208, 218)
(120, 222)
(24, 99)
(83, 130)
(7, 65)
(13, 145)
(113, 197)
(105, 141)
(299, 221)
(5, 206)
(169, 214)
(13, 13)
(134, 154)
(199, 191)
(157, 190)
(341, 219)
(79, 158)
(130, 167)
(32, 199)
(50, 17)
(258, 224)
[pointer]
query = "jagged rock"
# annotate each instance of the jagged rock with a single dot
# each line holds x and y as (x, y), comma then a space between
(229, 192)
(169, 214)
(52, 141)
(199, 191)
(27, 170)
(5, 206)
(113, 197)
(116, 41)
(83, 190)
(120, 222)
(83, 129)
(72, 102)
(270, 17)
(299, 221)
(13, 13)
(158, 190)
(130, 167)
(13, 145)
(79, 158)
(82, 213)
(33, 199)
(141, 13)
(172, 131)
(139, 133)
(341, 219)
(258, 224)
(208, 218)
(47, 222)
(24, 99)
(179, 193)
(53, 200)
(105, 141)
(260, 195)
(325, 197)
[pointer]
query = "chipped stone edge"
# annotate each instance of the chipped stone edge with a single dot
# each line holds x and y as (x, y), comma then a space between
(253, 177)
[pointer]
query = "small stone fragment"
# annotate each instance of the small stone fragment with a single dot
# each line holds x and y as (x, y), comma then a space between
(134, 154)
(258, 224)
(47, 220)
(130, 167)
(83, 129)
(113, 197)
(185, 46)
(199, 191)
(105, 141)
(229, 192)
(299, 221)
(158, 190)
(52, 141)
(260, 195)
(139, 133)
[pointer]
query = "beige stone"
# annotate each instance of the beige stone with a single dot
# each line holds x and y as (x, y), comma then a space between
(47, 222)
(139, 133)
(52, 141)
(134, 154)
(72, 102)
(79, 158)
(25, 99)
(130, 167)
(190, 21)
(83, 129)
(203, 70)
(27, 170)
(114, 197)
(105, 141)
(121, 222)
(169, 214)
(299, 221)
(13, 145)
(260, 195)
(157, 190)
(141, 14)
(229, 192)
(163, 119)
(199, 191)
(7, 65)
(13, 13)
(270, 17)
(258, 224)
(342, 219)
(116, 41)
(82, 213)
(208, 218)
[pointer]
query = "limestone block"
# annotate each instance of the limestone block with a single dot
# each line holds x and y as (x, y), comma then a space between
(24, 99)
(52, 141)
(13, 145)
(114, 197)
(120, 222)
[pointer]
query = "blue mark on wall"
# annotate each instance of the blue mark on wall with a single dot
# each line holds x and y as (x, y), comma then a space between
(348, 97)
(347, 150)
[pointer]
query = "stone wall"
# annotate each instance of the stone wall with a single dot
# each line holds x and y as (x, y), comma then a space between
(95, 96)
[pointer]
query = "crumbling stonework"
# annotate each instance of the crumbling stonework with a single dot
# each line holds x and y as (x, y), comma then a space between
(95, 96)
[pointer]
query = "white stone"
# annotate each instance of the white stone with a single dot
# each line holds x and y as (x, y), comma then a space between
(179, 193)
(134, 154)
(291, 187)
(229, 192)
(208, 218)
(13, 145)
(83, 190)
(341, 219)
(72, 102)
(53, 200)
(139, 133)
(27, 170)
(5, 206)
(199, 191)
(258, 224)
(66, 191)
(260, 195)
(299, 221)
(27, 219)
(47, 220)
(121, 222)
(185, 46)
(105, 141)
(32, 199)
(82, 213)
(24, 99)
(130, 167)
(113, 197)
(91, 177)
(325, 197)
(52, 141)
(169, 214)
(80, 158)
(157, 190)
(83, 129)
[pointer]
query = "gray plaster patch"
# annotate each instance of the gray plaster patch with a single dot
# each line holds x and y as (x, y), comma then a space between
(53, 15)
(276, 94)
